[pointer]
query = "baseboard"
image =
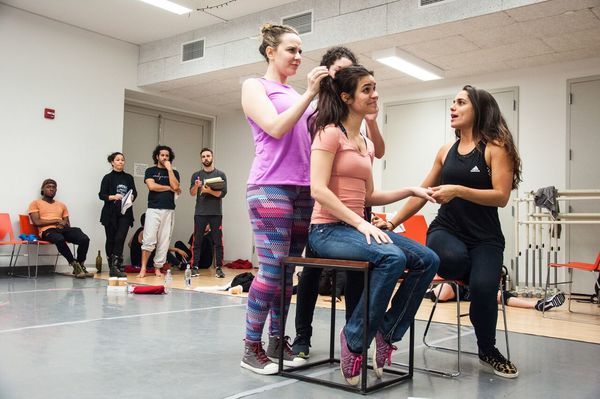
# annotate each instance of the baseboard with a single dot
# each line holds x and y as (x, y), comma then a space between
(22, 270)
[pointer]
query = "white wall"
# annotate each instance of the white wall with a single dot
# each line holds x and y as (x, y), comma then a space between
(82, 76)
(234, 152)
(542, 113)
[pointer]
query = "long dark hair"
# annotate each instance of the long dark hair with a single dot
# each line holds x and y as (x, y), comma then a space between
(330, 107)
(490, 127)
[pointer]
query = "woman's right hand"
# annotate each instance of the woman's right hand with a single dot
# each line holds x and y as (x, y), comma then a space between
(115, 197)
(314, 78)
(369, 230)
(379, 222)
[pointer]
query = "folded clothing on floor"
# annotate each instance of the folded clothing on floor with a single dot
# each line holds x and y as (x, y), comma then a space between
(147, 289)
(239, 264)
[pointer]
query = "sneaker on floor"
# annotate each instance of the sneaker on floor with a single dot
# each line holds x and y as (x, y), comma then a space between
(289, 357)
(255, 359)
(84, 270)
(77, 272)
(219, 273)
(382, 354)
(498, 363)
(301, 346)
(350, 362)
(553, 301)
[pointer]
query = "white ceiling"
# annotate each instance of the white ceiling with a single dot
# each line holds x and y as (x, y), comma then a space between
(136, 22)
(540, 34)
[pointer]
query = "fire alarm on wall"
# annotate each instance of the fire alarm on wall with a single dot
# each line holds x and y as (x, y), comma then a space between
(49, 113)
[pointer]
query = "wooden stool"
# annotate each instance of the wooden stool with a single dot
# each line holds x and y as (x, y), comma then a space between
(339, 265)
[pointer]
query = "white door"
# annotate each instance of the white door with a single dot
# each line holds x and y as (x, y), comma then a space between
(415, 131)
(583, 241)
(143, 130)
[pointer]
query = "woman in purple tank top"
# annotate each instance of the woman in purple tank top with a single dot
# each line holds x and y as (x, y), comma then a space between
(278, 190)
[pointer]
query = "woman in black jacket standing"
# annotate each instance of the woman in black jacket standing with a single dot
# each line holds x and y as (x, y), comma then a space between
(113, 189)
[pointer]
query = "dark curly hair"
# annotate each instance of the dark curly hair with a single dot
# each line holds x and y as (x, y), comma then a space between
(335, 53)
(157, 151)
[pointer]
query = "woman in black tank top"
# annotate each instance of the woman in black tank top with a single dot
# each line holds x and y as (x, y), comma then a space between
(471, 178)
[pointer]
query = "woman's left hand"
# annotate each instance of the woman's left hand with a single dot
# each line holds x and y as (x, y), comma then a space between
(445, 193)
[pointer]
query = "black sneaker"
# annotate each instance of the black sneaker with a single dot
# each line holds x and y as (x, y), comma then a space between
(219, 273)
(553, 301)
(498, 363)
(301, 346)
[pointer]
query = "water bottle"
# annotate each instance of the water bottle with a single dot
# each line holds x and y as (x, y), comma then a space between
(188, 277)
(168, 281)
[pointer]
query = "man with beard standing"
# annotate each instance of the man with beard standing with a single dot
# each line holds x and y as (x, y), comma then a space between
(209, 185)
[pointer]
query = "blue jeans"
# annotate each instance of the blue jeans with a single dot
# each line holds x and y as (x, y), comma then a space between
(389, 262)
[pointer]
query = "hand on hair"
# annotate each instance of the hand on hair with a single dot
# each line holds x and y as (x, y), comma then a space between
(314, 78)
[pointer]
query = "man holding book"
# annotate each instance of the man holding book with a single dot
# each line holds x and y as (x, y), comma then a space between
(209, 185)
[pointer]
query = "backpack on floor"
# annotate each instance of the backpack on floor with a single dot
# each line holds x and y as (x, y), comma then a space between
(243, 279)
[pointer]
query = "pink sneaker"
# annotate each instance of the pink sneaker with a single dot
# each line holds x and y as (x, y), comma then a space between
(382, 354)
(350, 362)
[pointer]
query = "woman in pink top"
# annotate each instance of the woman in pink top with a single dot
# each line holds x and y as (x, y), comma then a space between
(278, 191)
(341, 183)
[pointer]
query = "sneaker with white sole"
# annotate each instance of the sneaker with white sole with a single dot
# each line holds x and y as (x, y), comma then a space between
(289, 357)
(219, 273)
(498, 363)
(350, 362)
(255, 359)
(382, 354)
(551, 302)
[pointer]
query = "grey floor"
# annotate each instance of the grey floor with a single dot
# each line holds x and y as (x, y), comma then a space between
(65, 338)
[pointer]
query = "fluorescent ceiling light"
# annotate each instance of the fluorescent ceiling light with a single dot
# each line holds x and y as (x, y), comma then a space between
(169, 6)
(407, 64)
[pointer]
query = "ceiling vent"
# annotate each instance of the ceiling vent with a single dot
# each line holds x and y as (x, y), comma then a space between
(301, 22)
(192, 50)
(427, 3)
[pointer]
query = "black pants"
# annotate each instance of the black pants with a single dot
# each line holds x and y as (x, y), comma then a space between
(116, 233)
(480, 266)
(200, 223)
(308, 291)
(61, 238)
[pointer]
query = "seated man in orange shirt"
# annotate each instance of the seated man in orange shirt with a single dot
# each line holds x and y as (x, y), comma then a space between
(52, 220)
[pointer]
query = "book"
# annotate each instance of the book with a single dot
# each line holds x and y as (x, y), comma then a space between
(215, 183)
(126, 201)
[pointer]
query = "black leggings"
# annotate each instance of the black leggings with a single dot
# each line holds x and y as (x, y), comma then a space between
(480, 266)
(61, 238)
(116, 232)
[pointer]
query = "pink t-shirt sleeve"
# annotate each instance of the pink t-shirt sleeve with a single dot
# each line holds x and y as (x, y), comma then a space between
(327, 139)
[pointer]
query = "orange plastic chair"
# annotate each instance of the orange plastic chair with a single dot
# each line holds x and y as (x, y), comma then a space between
(27, 228)
(6, 230)
(415, 228)
(590, 267)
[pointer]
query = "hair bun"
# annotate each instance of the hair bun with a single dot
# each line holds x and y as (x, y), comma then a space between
(266, 27)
